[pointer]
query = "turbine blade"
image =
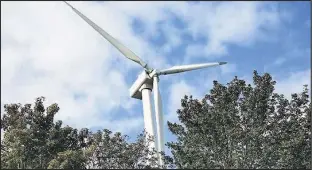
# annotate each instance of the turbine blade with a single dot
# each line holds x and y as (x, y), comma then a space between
(123, 49)
(159, 118)
(183, 68)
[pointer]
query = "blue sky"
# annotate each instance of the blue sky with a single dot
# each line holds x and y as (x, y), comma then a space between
(47, 50)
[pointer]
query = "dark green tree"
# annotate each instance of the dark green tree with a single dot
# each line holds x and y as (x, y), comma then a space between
(243, 126)
(69, 159)
(33, 140)
(110, 150)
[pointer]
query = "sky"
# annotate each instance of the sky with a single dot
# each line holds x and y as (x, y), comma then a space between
(47, 50)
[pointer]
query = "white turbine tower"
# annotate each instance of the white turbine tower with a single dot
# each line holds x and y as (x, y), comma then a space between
(145, 83)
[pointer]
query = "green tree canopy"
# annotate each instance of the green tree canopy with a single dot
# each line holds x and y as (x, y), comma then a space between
(32, 140)
(234, 126)
(241, 126)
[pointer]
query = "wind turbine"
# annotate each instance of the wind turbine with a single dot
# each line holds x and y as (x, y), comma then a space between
(146, 82)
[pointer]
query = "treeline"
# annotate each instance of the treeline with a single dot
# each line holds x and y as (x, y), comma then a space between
(236, 125)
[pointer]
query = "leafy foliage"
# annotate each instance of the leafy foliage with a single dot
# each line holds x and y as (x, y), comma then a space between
(69, 159)
(32, 140)
(113, 151)
(235, 126)
(240, 126)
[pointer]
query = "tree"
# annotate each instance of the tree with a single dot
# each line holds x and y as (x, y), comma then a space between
(240, 126)
(32, 139)
(113, 151)
(69, 159)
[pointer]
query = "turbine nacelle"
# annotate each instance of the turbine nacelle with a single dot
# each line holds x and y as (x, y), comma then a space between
(143, 78)
(147, 78)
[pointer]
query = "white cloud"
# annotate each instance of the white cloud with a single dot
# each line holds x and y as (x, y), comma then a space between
(287, 84)
(279, 61)
(293, 83)
(177, 92)
(197, 86)
(173, 35)
(247, 78)
(228, 68)
(195, 50)
(240, 23)
(47, 50)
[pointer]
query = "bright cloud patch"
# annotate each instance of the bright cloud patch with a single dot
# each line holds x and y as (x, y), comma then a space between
(47, 50)
(294, 83)
(178, 90)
